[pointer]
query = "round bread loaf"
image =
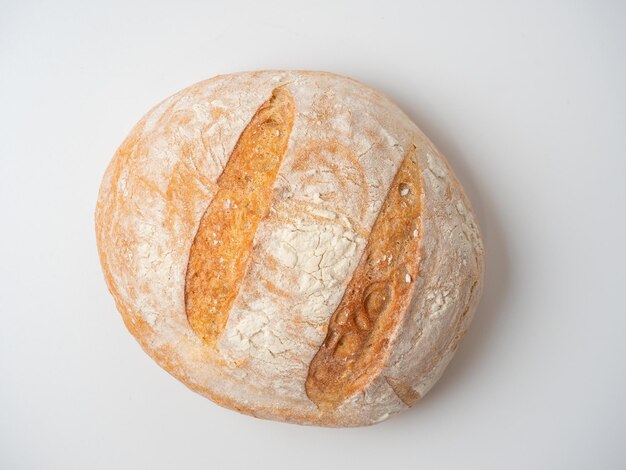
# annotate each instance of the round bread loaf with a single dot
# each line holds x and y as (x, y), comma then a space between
(290, 245)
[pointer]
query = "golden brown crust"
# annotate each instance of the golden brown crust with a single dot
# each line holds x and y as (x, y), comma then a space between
(405, 392)
(355, 348)
(221, 248)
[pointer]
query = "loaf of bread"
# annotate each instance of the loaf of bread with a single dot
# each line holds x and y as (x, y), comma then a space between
(290, 245)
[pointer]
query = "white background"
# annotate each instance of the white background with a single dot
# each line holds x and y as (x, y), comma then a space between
(527, 100)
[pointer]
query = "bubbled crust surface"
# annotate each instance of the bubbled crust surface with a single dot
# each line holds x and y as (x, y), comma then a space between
(346, 144)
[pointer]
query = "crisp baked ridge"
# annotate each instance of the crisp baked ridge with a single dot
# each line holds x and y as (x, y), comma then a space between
(356, 346)
(346, 145)
(219, 254)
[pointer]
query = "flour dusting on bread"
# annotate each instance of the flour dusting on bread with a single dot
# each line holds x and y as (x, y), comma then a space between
(288, 218)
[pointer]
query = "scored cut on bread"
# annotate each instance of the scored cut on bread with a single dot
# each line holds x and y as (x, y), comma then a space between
(221, 247)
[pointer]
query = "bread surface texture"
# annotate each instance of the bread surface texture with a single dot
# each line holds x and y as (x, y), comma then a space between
(290, 245)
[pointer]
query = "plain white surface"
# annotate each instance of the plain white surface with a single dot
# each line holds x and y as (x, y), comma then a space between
(526, 99)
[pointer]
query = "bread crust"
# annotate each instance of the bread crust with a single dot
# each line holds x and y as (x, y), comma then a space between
(345, 148)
